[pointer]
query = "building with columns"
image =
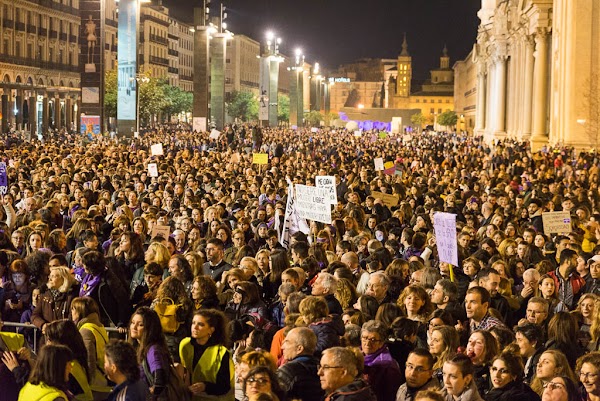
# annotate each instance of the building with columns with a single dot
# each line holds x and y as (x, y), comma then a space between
(537, 71)
(465, 94)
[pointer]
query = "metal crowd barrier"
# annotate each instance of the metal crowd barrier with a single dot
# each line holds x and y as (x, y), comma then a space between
(35, 329)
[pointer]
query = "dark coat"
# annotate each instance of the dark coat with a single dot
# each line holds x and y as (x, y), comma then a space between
(299, 379)
(49, 309)
(358, 390)
(113, 299)
(328, 333)
(383, 374)
(512, 391)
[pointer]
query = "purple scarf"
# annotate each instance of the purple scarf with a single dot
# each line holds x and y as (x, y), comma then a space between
(89, 284)
(380, 358)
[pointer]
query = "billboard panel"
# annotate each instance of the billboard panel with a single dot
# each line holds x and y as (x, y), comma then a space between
(127, 57)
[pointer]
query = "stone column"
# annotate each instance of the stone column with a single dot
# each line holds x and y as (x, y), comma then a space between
(19, 109)
(45, 116)
(480, 107)
(58, 123)
(294, 96)
(528, 88)
(68, 113)
(33, 115)
(300, 76)
(217, 80)
(500, 96)
(201, 65)
(5, 112)
(539, 133)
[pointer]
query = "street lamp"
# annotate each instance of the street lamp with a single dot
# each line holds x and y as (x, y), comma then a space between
(296, 92)
(139, 79)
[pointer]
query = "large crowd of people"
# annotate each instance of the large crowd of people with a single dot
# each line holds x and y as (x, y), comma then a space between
(131, 274)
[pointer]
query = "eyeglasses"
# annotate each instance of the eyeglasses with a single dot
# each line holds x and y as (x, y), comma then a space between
(325, 367)
(591, 376)
(502, 371)
(417, 369)
(370, 340)
(554, 386)
(259, 381)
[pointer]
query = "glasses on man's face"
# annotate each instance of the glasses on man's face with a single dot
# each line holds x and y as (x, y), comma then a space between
(554, 386)
(416, 369)
(260, 381)
(325, 367)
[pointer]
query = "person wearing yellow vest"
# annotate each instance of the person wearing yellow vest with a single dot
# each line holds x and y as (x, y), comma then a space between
(48, 381)
(85, 313)
(208, 363)
(15, 364)
(64, 332)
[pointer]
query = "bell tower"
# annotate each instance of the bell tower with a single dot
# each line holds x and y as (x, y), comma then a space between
(404, 71)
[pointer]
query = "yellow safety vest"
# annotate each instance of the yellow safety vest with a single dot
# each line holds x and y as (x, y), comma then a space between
(98, 383)
(78, 373)
(40, 392)
(13, 341)
(207, 367)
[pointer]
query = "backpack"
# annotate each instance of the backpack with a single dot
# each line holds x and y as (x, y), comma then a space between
(166, 309)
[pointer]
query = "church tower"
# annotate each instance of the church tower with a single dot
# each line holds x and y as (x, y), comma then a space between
(445, 60)
(404, 71)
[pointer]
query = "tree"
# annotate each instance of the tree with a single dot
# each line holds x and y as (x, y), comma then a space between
(151, 98)
(313, 118)
(176, 100)
(447, 119)
(110, 93)
(329, 117)
(418, 119)
(283, 107)
(244, 105)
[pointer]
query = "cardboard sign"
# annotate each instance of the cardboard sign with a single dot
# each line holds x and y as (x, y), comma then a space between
(556, 222)
(153, 170)
(378, 164)
(214, 134)
(260, 158)
(156, 149)
(327, 181)
(312, 203)
(163, 231)
(444, 225)
(389, 168)
(387, 199)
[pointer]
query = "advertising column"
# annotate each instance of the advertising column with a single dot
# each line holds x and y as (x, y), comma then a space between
(127, 110)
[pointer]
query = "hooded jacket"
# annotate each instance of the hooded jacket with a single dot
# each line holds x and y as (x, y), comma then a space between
(358, 390)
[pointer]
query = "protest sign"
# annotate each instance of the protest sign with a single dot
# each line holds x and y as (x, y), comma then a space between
(3, 179)
(389, 168)
(556, 222)
(156, 149)
(312, 203)
(327, 181)
(163, 231)
(314, 129)
(387, 199)
(444, 225)
(260, 158)
(378, 164)
(152, 170)
(214, 134)
(357, 134)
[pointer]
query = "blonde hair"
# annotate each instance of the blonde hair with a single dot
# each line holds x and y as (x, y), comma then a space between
(65, 274)
(161, 254)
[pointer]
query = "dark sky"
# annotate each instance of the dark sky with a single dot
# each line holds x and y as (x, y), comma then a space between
(333, 32)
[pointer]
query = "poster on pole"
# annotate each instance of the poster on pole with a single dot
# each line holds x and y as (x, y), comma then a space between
(327, 181)
(260, 158)
(312, 203)
(556, 222)
(444, 225)
(90, 125)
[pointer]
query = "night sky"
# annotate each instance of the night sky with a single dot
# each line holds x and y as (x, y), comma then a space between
(333, 32)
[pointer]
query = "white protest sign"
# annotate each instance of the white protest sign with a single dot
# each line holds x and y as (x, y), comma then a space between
(157, 149)
(357, 134)
(153, 170)
(556, 222)
(314, 129)
(214, 134)
(312, 203)
(378, 164)
(444, 225)
(136, 134)
(199, 124)
(163, 231)
(327, 181)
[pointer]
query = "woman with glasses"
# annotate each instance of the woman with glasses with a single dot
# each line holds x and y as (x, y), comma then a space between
(506, 375)
(204, 355)
(561, 388)
(381, 370)
(262, 380)
(588, 368)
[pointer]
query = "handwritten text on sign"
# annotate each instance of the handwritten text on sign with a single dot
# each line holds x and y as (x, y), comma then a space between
(312, 203)
(444, 225)
(328, 182)
(3, 179)
(556, 222)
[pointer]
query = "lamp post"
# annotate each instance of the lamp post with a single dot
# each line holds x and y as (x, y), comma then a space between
(139, 79)
(296, 92)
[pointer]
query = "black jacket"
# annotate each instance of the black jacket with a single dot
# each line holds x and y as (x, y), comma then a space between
(358, 390)
(299, 379)
(113, 300)
(512, 391)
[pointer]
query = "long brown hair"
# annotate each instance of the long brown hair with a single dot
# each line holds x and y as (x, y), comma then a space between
(152, 335)
(51, 366)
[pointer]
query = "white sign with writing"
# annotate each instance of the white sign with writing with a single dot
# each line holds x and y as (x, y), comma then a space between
(157, 149)
(378, 164)
(153, 170)
(327, 181)
(214, 134)
(199, 124)
(444, 225)
(312, 203)
(556, 222)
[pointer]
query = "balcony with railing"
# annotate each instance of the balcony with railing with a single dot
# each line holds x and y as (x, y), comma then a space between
(63, 36)
(159, 61)
(53, 34)
(186, 77)
(31, 62)
(173, 70)
(159, 39)
(20, 26)
(31, 29)
(152, 18)
(173, 52)
(8, 23)
(42, 31)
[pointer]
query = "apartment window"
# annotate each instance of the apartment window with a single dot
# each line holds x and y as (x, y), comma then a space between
(440, 111)
(18, 49)
(431, 111)
(29, 50)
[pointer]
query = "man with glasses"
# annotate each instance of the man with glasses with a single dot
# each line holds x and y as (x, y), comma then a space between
(338, 373)
(215, 266)
(378, 286)
(298, 376)
(18, 240)
(419, 375)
